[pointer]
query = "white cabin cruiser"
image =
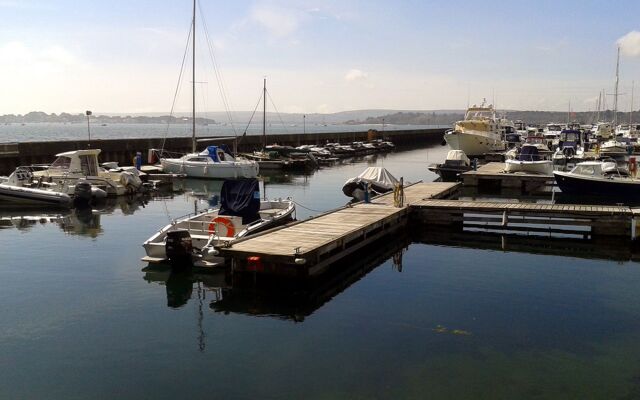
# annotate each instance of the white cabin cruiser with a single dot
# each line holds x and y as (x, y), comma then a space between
(72, 166)
(602, 130)
(480, 132)
(213, 163)
(241, 213)
(614, 146)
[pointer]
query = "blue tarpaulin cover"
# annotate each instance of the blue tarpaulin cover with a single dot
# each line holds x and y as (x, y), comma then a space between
(213, 152)
(241, 198)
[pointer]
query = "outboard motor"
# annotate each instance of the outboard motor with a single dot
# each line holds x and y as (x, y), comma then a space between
(179, 248)
(82, 192)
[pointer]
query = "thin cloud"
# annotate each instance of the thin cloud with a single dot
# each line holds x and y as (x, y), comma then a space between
(279, 22)
(355, 75)
(630, 44)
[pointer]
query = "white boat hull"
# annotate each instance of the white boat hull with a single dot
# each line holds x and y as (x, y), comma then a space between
(34, 197)
(199, 228)
(220, 170)
(542, 167)
(474, 143)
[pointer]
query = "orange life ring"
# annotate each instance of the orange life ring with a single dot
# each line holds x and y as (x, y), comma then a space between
(231, 231)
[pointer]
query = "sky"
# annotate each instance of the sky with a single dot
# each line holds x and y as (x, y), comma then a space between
(124, 56)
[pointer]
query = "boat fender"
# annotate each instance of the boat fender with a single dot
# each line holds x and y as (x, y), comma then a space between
(226, 222)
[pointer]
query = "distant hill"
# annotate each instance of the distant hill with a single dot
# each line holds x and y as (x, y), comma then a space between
(354, 117)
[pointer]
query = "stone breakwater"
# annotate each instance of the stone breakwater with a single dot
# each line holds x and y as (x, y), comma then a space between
(13, 155)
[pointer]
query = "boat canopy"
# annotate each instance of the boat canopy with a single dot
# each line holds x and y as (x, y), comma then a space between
(241, 198)
(378, 176)
(458, 155)
(529, 153)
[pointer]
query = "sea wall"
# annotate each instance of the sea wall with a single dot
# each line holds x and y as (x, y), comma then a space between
(13, 155)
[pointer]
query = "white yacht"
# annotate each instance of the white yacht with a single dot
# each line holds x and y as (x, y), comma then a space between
(602, 130)
(481, 131)
(213, 163)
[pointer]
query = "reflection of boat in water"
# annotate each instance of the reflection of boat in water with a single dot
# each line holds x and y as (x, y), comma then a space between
(241, 214)
(83, 221)
(286, 300)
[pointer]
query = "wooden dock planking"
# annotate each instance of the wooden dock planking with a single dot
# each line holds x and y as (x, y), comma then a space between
(312, 238)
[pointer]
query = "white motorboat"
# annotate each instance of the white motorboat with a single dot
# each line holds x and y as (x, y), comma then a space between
(552, 135)
(602, 130)
(614, 146)
(241, 213)
(598, 178)
(529, 160)
(213, 163)
(480, 132)
(72, 166)
(19, 189)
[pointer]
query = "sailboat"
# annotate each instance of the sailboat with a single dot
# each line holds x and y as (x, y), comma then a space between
(214, 162)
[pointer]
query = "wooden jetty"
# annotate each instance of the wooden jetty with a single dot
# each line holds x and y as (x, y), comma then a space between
(492, 175)
(308, 247)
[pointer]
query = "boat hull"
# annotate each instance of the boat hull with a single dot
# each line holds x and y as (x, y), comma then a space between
(543, 167)
(575, 184)
(232, 170)
(474, 143)
(33, 197)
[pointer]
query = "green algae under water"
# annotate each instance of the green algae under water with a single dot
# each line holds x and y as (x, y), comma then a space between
(413, 319)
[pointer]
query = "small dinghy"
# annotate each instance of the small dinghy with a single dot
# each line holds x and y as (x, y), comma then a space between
(378, 179)
(20, 189)
(192, 239)
(455, 164)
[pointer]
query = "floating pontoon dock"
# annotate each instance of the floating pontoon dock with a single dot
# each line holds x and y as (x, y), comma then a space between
(307, 248)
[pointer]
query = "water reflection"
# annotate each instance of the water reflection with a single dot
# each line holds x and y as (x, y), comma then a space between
(605, 248)
(285, 300)
(84, 221)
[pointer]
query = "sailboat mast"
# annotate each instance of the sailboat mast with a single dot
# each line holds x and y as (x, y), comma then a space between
(264, 114)
(615, 91)
(193, 84)
(633, 83)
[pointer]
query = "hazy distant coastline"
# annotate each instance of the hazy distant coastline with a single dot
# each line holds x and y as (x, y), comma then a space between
(356, 117)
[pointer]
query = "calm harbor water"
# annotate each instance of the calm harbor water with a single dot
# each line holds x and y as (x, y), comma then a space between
(416, 317)
(35, 132)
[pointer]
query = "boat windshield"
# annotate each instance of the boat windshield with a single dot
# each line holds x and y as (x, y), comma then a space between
(590, 170)
(61, 162)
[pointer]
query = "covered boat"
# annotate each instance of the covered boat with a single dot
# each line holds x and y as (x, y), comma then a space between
(193, 238)
(455, 164)
(529, 160)
(378, 180)
(599, 178)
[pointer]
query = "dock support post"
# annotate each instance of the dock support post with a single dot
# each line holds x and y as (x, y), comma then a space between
(505, 218)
